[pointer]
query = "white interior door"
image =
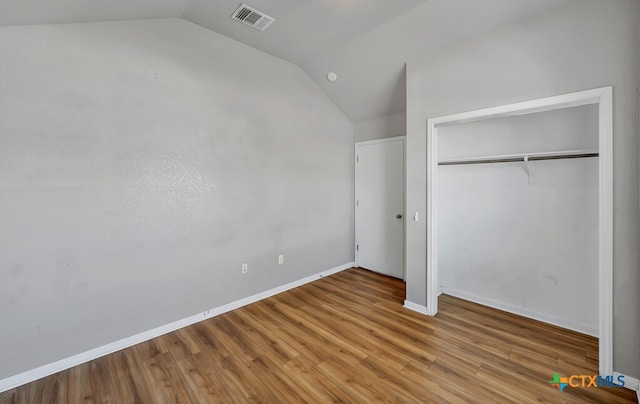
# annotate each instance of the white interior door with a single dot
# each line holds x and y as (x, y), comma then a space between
(380, 206)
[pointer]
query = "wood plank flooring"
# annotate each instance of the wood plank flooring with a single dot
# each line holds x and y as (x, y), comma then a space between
(344, 338)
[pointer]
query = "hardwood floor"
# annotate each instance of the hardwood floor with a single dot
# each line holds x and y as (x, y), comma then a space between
(344, 338)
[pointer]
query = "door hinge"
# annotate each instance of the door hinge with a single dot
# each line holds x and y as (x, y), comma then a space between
(357, 203)
(357, 247)
(357, 159)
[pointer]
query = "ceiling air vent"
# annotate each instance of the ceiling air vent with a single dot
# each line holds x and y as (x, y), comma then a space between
(252, 17)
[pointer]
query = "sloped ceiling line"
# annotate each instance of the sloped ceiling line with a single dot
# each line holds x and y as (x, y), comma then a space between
(366, 42)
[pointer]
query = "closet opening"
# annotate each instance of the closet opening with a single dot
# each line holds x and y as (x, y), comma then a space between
(520, 211)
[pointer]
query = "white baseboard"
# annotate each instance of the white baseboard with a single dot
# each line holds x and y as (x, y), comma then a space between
(630, 383)
(521, 311)
(416, 307)
(75, 360)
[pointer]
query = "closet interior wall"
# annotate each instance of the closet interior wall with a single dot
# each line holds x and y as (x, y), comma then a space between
(525, 242)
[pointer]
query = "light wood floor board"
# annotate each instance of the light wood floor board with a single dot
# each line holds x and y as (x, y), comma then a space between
(344, 338)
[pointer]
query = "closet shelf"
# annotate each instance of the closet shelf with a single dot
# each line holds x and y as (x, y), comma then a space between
(510, 158)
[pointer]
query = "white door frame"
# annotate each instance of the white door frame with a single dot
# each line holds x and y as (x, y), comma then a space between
(603, 98)
(355, 199)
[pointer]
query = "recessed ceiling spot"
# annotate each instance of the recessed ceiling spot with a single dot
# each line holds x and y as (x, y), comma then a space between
(331, 76)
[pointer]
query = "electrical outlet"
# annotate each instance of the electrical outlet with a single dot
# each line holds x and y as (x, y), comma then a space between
(280, 259)
(245, 268)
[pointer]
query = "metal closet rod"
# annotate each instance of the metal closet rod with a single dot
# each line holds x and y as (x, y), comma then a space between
(513, 158)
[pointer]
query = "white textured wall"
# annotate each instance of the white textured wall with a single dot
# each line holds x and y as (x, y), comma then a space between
(140, 164)
(587, 44)
(380, 128)
(528, 245)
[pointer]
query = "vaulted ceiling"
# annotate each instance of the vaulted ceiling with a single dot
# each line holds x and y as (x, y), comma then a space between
(366, 42)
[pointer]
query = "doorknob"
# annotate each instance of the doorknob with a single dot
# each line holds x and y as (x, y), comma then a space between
(398, 216)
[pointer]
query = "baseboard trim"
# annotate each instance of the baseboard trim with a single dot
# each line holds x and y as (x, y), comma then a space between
(416, 307)
(75, 360)
(521, 311)
(630, 383)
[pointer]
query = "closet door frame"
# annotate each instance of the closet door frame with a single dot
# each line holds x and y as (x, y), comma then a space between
(603, 98)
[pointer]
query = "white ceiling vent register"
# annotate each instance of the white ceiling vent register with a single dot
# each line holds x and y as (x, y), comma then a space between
(252, 17)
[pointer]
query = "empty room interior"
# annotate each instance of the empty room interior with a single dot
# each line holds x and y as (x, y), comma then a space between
(319, 201)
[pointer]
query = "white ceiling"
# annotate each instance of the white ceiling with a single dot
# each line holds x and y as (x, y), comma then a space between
(371, 67)
(366, 42)
(303, 28)
(24, 12)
